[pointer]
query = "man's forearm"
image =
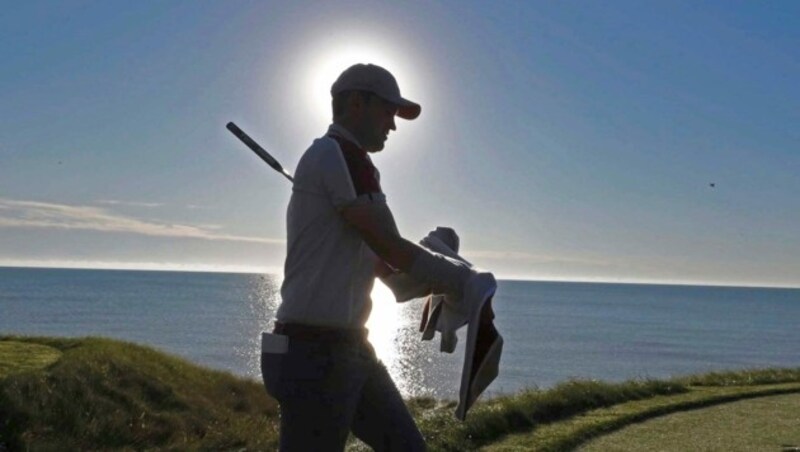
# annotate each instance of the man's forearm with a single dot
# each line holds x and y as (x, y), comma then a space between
(442, 274)
(399, 253)
(377, 227)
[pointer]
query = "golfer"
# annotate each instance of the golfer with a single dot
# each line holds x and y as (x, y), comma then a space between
(341, 235)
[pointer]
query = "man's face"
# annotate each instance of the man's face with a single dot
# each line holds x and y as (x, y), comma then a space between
(376, 122)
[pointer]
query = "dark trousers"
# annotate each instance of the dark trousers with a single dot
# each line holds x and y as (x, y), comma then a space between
(328, 389)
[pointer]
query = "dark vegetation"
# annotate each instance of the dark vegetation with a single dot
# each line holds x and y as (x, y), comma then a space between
(105, 394)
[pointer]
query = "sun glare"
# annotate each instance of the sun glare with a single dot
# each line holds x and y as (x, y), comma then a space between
(383, 323)
(331, 60)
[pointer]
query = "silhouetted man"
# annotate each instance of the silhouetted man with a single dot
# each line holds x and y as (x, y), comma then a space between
(340, 230)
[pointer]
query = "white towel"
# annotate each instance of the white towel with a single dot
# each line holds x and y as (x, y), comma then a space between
(440, 313)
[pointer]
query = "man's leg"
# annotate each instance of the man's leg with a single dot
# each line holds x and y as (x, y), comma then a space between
(319, 391)
(381, 419)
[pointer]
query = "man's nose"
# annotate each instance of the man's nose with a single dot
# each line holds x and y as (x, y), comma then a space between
(392, 126)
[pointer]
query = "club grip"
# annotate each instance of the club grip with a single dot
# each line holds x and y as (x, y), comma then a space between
(254, 146)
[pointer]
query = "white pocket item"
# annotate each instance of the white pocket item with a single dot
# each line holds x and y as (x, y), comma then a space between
(274, 343)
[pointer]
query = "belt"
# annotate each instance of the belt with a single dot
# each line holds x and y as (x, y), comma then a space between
(321, 333)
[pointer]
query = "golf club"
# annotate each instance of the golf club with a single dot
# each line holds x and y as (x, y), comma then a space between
(258, 150)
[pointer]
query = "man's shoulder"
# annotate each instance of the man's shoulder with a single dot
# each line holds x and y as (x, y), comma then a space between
(320, 145)
(322, 152)
(322, 165)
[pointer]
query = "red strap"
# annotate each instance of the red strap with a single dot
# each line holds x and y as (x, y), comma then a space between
(362, 172)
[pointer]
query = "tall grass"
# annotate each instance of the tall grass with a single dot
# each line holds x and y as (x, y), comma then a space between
(105, 394)
(746, 377)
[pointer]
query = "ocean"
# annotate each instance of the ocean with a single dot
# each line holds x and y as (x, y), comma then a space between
(553, 331)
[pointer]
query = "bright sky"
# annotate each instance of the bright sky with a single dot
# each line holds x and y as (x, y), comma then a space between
(562, 140)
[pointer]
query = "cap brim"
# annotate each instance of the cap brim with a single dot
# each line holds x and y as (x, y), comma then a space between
(407, 109)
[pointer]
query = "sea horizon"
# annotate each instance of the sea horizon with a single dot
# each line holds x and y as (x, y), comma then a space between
(500, 277)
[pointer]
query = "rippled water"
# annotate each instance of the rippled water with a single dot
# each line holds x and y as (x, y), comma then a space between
(553, 331)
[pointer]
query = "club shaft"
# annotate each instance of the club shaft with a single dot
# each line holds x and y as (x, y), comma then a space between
(261, 152)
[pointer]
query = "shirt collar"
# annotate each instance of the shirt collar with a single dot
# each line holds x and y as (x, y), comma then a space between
(338, 129)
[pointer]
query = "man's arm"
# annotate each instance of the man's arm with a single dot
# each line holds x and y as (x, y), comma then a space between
(375, 223)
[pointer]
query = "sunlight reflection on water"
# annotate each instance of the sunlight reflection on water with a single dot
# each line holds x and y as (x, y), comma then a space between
(262, 302)
(417, 367)
(387, 326)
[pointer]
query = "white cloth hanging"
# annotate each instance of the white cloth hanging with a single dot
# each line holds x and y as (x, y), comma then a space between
(441, 313)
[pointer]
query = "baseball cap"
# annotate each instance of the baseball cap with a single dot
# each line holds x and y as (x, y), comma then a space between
(377, 80)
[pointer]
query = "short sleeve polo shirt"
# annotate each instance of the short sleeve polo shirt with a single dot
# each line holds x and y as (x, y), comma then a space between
(329, 270)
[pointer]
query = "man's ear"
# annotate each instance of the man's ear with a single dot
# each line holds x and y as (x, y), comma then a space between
(356, 103)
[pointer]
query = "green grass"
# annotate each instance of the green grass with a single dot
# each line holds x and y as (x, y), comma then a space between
(105, 394)
(764, 423)
(94, 393)
(570, 433)
(491, 420)
(21, 356)
(571, 413)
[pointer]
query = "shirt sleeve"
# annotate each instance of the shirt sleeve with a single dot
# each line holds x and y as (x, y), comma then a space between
(334, 177)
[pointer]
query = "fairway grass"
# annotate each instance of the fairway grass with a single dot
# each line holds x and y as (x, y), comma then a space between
(572, 432)
(21, 356)
(764, 423)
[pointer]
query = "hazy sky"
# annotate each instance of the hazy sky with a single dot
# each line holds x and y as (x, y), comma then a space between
(562, 140)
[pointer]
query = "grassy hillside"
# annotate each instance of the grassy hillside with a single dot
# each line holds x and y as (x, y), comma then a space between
(91, 393)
